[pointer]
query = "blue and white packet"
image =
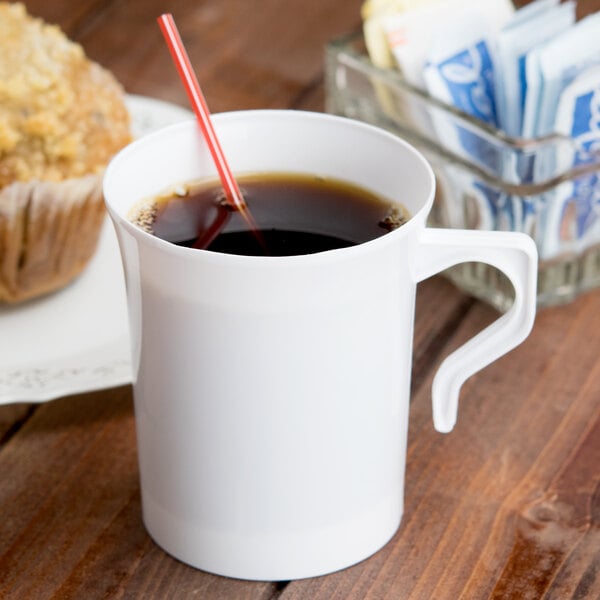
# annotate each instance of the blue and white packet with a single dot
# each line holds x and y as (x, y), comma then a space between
(468, 202)
(532, 25)
(412, 33)
(553, 65)
(460, 69)
(530, 73)
(573, 207)
(460, 72)
(415, 33)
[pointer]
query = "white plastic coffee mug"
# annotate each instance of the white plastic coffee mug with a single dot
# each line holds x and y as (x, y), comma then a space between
(272, 393)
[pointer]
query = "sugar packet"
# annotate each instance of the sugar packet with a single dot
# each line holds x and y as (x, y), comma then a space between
(551, 66)
(459, 72)
(470, 203)
(460, 68)
(573, 221)
(414, 34)
(399, 106)
(534, 24)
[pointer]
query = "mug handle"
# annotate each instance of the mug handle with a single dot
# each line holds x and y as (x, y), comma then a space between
(515, 254)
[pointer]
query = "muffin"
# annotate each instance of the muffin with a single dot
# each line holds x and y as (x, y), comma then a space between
(62, 117)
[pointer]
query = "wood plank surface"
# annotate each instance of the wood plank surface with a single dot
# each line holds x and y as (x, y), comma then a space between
(247, 55)
(71, 519)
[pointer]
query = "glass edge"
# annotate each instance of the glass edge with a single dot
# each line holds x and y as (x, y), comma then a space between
(342, 46)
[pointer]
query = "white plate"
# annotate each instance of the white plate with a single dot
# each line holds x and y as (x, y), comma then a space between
(76, 340)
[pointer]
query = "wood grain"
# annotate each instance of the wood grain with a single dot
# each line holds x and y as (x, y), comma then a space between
(71, 525)
(247, 55)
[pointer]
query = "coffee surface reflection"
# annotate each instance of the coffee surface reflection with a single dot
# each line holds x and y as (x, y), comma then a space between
(295, 214)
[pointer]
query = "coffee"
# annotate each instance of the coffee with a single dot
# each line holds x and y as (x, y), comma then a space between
(294, 213)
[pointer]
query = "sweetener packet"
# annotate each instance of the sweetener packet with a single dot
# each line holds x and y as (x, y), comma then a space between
(399, 107)
(551, 66)
(414, 34)
(573, 221)
(467, 202)
(459, 72)
(532, 25)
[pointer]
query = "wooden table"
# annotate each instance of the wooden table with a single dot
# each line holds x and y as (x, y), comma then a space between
(506, 506)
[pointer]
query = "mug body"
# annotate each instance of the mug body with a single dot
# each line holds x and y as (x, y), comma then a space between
(271, 393)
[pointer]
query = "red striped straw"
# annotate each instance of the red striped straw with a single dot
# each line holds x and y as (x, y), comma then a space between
(198, 102)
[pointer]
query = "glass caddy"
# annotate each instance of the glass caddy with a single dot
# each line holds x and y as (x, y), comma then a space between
(547, 187)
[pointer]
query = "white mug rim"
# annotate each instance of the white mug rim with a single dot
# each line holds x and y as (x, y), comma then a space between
(347, 252)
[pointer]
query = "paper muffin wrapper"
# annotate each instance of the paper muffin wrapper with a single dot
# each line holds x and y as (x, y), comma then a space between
(48, 233)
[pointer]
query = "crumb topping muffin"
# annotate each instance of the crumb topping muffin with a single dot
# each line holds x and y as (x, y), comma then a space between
(62, 117)
(55, 105)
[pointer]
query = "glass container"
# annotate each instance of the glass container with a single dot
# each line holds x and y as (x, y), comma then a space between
(546, 187)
